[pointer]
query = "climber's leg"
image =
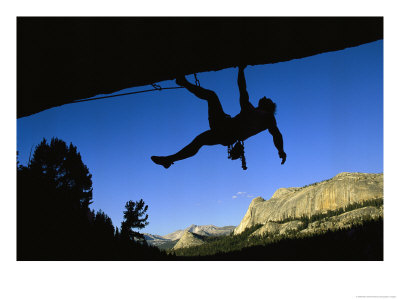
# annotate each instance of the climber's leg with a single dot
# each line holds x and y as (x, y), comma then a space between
(215, 112)
(205, 138)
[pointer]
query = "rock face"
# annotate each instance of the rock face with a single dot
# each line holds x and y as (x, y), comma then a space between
(276, 228)
(189, 239)
(345, 220)
(339, 191)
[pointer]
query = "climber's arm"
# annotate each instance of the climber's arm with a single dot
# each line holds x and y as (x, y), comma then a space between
(278, 142)
(244, 96)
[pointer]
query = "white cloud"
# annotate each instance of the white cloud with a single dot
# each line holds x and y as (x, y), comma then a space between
(242, 194)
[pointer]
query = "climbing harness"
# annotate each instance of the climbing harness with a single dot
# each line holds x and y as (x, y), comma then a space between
(237, 151)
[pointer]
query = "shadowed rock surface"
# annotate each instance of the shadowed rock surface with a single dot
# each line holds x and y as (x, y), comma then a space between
(61, 59)
(338, 192)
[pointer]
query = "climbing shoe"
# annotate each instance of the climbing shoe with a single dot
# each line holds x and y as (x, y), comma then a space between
(161, 160)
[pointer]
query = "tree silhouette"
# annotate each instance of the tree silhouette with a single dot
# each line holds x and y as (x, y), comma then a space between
(54, 221)
(134, 217)
(103, 224)
(54, 192)
(61, 166)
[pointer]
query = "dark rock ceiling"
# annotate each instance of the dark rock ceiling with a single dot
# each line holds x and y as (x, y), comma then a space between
(60, 60)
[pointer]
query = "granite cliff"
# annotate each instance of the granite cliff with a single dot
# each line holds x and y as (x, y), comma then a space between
(290, 203)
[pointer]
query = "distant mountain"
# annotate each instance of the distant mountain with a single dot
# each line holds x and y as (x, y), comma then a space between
(210, 230)
(171, 239)
(205, 230)
(153, 237)
(176, 235)
(339, 192)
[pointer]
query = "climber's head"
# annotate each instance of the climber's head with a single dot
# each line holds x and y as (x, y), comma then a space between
(267, 105)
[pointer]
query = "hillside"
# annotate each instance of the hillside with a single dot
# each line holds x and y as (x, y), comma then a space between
(189, 239)
(363, 242)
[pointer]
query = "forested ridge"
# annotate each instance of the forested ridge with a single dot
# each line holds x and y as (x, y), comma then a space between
(364, 241)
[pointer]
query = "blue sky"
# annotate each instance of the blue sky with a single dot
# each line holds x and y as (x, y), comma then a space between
(329, 110)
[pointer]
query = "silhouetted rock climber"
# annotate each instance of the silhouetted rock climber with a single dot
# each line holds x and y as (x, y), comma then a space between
(228, 131)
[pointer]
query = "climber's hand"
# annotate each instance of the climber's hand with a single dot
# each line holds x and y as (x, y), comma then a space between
(282, 155)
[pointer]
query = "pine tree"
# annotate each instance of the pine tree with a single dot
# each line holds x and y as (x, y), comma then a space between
(134, 217)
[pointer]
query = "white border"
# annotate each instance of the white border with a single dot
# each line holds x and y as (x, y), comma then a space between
(198, 280)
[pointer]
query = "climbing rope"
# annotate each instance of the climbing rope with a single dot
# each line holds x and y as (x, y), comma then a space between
(156, 87)
(237, 151)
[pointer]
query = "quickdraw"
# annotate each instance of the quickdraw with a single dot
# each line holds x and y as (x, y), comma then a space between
(197, 82)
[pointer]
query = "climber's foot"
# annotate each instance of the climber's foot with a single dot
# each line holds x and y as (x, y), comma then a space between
(162, 160)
